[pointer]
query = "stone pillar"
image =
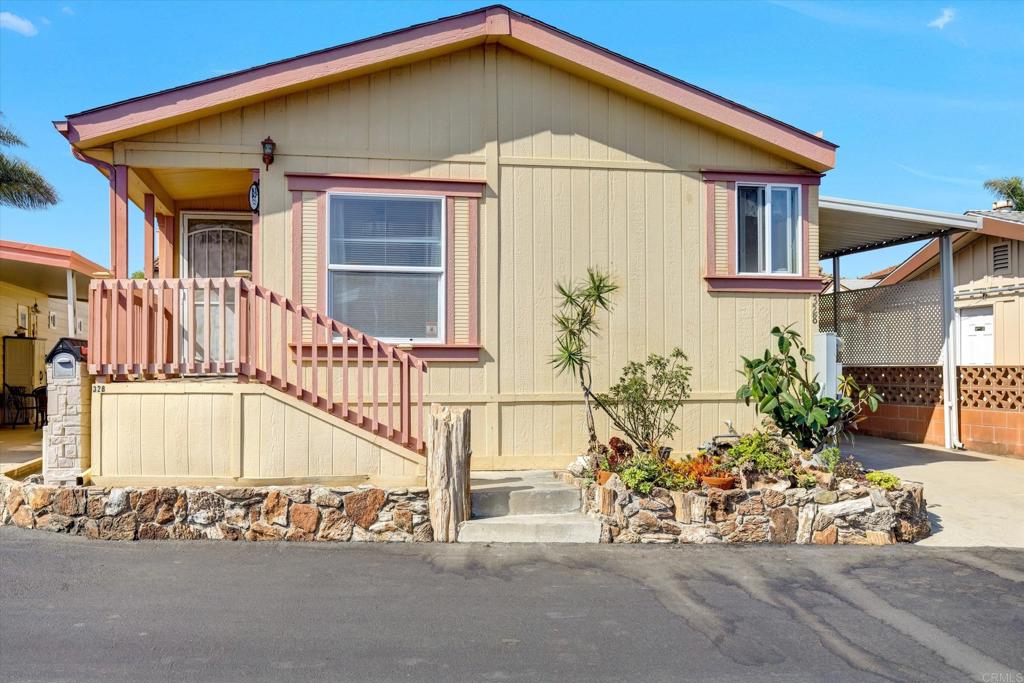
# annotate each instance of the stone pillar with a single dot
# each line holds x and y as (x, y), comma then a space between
(66, 436)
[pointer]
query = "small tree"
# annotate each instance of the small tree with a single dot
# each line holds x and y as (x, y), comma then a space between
(645, 400)
(577, 324)
(782, 386)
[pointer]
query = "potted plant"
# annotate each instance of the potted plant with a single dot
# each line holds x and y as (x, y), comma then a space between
(708, 470)
(612, 459)
(720, 479)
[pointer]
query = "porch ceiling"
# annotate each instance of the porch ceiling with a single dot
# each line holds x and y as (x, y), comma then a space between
(848, 226)
(196, 183)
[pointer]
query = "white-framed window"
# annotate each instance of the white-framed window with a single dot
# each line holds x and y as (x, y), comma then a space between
(386, 265)
(768, 230)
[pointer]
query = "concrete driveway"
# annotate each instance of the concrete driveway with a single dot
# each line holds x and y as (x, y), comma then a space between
(78, 610)
(973, 499)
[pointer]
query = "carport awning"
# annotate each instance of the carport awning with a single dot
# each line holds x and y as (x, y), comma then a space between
(44, 269)
(849, 226)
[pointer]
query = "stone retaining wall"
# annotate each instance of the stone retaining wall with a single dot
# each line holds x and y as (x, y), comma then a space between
(853, 513)
(291, 513)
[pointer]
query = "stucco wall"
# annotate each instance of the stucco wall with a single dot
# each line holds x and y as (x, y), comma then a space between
(577, 175)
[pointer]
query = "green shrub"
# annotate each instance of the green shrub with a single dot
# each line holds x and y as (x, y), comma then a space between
(806, 480)
(762, 453)
(848, 468)
(647, 397)
(830, 458)
(645, 471)
(884, 480)
(782, 386)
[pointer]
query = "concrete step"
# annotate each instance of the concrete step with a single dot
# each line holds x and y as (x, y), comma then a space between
(510, 500)
(573, 527)
(530, 492)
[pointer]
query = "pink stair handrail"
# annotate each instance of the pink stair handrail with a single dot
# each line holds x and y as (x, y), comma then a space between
(147, 329)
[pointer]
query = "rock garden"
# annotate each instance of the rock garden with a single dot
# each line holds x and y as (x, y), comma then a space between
(291, 513)
(784, 482)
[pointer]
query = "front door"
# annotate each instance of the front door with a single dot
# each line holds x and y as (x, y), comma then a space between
(977, 345)
(216, 245)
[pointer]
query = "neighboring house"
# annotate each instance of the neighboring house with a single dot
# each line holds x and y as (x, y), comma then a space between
(429, 187)
(989, 280)
(43, 297)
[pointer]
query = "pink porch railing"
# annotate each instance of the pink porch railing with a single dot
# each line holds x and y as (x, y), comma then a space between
(150, 329)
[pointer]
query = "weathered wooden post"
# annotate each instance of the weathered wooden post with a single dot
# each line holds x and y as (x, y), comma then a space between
(448, 454)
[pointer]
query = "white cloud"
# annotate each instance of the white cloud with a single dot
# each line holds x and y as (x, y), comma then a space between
(951, 180)
(44, 21)
(13, 22)
(67, 10)
(944, 18)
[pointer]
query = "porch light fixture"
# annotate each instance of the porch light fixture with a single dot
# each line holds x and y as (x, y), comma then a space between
(268, 146)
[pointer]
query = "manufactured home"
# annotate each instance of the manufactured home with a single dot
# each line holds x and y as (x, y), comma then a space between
(335, 241)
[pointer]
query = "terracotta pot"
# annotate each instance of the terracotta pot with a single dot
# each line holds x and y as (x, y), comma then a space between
(725, 483)
(603, 477)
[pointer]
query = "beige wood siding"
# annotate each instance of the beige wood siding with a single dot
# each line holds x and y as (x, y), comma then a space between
(218, 431)
(972, 267)
(722, 228)
(577, 175)
(812, 237)
(460, 264)
(11, 296)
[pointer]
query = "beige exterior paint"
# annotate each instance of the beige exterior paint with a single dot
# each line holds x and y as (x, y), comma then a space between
(221, 431)
(11, 296)
(577, 175)
(972, 265)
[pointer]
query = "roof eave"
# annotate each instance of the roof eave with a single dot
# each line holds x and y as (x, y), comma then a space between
(491, 24)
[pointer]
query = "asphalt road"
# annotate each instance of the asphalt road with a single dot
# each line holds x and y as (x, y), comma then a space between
(79, 610)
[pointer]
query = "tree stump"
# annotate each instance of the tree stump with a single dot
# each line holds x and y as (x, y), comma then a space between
(448, 454)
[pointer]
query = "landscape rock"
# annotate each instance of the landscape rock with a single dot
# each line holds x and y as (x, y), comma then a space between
(362, 506)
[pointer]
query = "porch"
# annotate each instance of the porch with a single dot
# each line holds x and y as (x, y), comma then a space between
(206, 374)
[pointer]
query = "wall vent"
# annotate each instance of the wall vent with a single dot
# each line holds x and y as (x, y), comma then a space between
(1001, 257)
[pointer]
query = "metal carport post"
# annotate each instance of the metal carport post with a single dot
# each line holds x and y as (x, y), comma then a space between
(849, 226)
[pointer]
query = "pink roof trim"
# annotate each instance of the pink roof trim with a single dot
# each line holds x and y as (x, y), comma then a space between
(47, 256)
(495, 23)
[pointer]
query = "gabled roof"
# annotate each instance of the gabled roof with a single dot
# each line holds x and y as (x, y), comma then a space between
(486, 25)
(993, 224)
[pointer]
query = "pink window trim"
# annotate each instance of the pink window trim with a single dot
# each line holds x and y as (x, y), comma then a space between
(762, 283)
(451, 353)
(448, 187)
(731, 178)
(391, 185)
(791, 178)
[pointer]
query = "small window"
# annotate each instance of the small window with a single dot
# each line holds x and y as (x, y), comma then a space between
(768, 229)
(386, 265)
(1001, 257)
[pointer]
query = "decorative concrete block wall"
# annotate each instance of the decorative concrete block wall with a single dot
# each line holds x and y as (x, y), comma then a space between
(66, 436)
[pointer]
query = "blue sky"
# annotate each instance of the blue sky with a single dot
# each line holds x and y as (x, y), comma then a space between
(925, 99)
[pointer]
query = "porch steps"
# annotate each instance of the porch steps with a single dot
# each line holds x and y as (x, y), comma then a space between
(526, 507)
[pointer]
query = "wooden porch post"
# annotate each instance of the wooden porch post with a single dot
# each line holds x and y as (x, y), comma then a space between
(150, 220)
(257, 264)
(168, 237)
(119, 221)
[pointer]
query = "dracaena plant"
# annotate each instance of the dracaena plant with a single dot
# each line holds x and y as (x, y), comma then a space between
(782, 386)
(577, 324)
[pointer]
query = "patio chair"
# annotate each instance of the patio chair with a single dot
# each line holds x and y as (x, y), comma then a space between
(17, 405)
(39, 398)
